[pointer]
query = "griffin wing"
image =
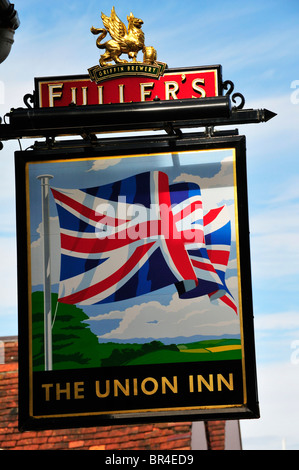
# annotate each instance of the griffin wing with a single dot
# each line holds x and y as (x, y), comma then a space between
(114, 26)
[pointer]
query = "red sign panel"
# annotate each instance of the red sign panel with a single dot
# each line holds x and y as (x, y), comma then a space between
(195, 82)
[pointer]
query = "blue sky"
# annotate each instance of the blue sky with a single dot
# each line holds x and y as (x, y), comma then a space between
(257, 44)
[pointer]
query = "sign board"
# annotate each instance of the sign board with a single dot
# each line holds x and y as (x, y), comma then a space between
(117, 85)
(134, 283)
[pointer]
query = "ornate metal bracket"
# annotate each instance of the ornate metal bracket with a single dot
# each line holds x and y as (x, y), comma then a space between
(169, 115)
(29, 97)
(229, 86)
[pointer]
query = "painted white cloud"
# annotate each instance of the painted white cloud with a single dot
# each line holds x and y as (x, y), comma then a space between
(181, 317)
(222, 179)
(104, 163)
(217, 190)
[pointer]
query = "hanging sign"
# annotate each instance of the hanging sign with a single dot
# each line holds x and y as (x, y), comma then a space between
(117, 80)
(133, 255)
(138, 306)
(114, 87)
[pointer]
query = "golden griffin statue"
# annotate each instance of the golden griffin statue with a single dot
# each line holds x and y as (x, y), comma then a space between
(124, 41)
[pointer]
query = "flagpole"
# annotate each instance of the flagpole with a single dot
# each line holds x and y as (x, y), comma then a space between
(175, 160)
(44, 179)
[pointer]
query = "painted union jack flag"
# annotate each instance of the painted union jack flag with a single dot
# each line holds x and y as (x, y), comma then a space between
(135, 236)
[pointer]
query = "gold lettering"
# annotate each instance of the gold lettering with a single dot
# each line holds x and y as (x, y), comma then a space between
(210, 386)
(171, 90)
(197, 88)
(118, 385)
(47, 389)
(191, 383)
(149, 392)
(143, 90)
(121, 93)
(66, 390)
(135, 389)
(84, 95)
(128, 387)
(78, 387)
(229, 385)
(100, 94)
(74, 95)
(173, 387)
(54, 94)
(107, 391)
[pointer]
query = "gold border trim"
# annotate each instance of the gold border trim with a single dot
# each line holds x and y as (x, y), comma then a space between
(175, 72)
(240, 310)
(149, 411)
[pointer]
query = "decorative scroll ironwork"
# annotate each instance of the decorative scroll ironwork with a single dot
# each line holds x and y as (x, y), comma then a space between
(229, 86)
(28, 97)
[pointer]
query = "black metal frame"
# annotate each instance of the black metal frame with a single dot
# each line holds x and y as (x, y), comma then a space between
(171, 116)
(155, 115)
(131, 146)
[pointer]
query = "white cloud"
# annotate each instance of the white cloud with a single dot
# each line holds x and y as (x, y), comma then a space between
(104, 163)
(278, 389)
(277, 348)
(274, 236)
(288, 191)
(8, 273)
(272, 220)
(180, 318)
(274, 140)
(277, 321)
(217, 190)
(222, 179)
(275, 255)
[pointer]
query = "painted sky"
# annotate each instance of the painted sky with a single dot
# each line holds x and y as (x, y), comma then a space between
(257, 44)
(159, 314)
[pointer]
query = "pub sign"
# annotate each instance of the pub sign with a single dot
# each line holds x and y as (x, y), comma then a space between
(133, 261)
(148, 281)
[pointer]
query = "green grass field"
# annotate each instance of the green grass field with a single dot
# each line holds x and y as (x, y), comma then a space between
(76, 347)
(137, 354)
